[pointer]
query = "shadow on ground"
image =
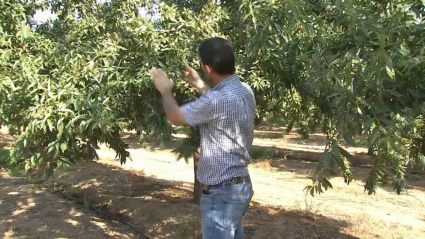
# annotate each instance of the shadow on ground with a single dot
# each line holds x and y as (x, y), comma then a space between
(270, 134)
(132, 139)
(133, 142)
(5, 140)
(164, 209)
(27, 211)
(304, 164)
(356, 160)
(274, 222)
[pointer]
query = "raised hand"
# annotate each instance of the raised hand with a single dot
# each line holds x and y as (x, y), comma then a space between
(162, 83)
(192, 77)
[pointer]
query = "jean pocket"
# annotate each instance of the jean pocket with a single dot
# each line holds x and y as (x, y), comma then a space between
(233, 210)
(211, 192)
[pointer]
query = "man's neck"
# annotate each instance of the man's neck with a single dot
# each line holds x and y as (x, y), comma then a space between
(220, 78)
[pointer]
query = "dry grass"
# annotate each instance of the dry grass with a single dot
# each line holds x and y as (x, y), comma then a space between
(360, 224)
(309, 207)
(263, 164)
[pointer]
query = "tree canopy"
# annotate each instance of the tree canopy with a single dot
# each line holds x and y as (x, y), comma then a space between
(353, 70)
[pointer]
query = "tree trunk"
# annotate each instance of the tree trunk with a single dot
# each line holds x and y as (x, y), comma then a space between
(370, 151)
(197, 189)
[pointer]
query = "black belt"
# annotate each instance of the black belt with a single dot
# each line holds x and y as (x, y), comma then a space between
(237, 180)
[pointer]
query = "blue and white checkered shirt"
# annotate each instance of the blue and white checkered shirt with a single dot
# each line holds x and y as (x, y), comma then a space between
(225, 117)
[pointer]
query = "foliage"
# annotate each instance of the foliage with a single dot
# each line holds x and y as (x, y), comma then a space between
(351, 69)
(356, 69)
(4, 157)
(261, 153)
(77, 82)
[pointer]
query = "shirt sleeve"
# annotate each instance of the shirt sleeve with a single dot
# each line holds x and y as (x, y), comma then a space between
(199, 112)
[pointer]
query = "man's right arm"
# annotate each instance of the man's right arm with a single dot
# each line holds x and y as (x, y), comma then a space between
(200, 111)
(202, 87)
(192, 77)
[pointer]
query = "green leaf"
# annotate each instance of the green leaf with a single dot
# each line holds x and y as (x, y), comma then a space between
(64, 147)
(319, 188)
(49, 122)
(27, 165)
(389, 67)
(394, 92)
(344, 152)
(373, 137)
(326, 157)
(331, 58)
(369, 123)
(335, 150)
(349, 140)
(359, 38)
(254, 19)
(326, 183)
(414, 93)
(51, 148)
(316, 57)
(360, 111)
(60, 128)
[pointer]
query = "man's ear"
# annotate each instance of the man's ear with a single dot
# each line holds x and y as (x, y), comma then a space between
(208, 69)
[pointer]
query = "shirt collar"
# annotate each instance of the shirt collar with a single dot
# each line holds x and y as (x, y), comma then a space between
(225, 82)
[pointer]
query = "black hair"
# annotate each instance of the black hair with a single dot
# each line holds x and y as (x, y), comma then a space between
(218, 54)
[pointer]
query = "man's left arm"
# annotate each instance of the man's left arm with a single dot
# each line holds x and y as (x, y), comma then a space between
(193, 114)
(173, 111)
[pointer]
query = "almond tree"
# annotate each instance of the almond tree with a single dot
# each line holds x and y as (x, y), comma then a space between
(350, 69)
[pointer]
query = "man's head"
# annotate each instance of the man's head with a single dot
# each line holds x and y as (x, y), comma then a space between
(217, 58)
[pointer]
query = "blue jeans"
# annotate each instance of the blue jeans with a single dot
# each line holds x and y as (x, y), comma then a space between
(222, 210)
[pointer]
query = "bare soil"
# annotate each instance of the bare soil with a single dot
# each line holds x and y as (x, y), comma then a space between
(153, 193)
(27, 211)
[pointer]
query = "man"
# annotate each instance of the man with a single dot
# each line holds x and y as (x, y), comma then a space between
(225, 116)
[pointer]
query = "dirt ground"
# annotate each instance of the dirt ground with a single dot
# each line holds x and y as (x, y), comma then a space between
(153, 192)
(27, 211)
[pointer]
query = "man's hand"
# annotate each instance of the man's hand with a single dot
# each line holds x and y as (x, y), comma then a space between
(192, 77)
(162, 83)
(165, 85)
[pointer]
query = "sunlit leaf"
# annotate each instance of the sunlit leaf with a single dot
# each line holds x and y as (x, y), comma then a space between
(389, 66)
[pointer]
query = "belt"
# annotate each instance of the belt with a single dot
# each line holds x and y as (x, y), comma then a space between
(237, 180)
